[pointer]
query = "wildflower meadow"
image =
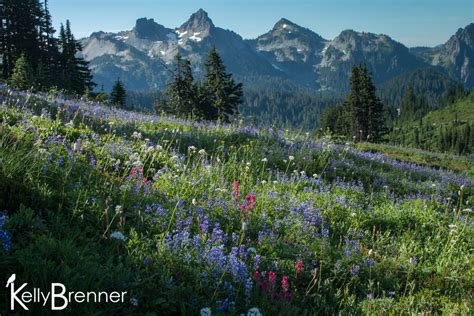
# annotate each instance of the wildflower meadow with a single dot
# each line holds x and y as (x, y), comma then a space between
(198, 218)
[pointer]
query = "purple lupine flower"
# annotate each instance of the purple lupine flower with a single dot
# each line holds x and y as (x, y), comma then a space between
(256, 262)
(248, 288)
(217, 234)
(354, 270)
(147, 261)
(5, 237)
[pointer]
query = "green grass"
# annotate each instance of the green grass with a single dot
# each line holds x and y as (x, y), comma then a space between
(461, 110)
(373, 235)
(422, 157)
(427, 133)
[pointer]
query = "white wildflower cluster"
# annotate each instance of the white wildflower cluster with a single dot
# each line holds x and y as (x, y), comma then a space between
(453, 232)
(254, 312)
(192, 149)
(134, 160)
(208, 169)
(247, 166)
(137, 135)
(146, 148)
(77, 147)
(205, 312)
(328, 146)
(69, 124)
(118, 209)
(118, 236)
(251, 312)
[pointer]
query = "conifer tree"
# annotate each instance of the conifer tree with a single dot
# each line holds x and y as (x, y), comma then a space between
(20, 22)
(355, 107)
(365, 108)
(221, 90)
(48, 66)
(182, 92)
(22, 77)
(118, 95)
(26, 29)
(374, 108)
(75, 76)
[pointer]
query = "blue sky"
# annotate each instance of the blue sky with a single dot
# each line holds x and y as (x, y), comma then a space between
(412, 22)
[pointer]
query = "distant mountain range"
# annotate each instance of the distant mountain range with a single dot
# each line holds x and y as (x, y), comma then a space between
(288, 53)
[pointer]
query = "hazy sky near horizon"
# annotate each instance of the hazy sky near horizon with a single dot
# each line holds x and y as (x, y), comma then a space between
(411, 22)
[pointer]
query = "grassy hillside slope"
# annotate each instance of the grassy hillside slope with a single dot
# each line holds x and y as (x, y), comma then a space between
(187, 215)
(448, 129)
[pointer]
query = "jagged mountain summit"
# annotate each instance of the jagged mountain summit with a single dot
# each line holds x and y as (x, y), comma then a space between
(456, 55)
(287, 53)
(292, 49)
(142, 56)
(384, 57)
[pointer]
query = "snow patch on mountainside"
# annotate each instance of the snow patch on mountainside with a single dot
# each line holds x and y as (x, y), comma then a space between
(195, 37)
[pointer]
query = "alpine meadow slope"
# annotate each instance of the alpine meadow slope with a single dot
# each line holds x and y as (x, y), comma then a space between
(200, 218)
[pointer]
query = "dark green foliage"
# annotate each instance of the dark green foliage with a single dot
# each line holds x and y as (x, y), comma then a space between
(20, 35)
(218, 97)
(448, 129)
(427, 83)
(223, 93)
(182, 91)
(291, 107)
(336, 119)
(22, 75)
(362, 115)
(75, 74)
(27, 31)
(118, 96)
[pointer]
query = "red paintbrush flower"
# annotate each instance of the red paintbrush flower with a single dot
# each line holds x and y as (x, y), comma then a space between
(299, 266)
(285, 284)
(235, 191)
(256, 275)
(250, 201)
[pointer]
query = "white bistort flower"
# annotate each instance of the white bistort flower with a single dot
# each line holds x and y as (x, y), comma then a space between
(137, 135)
(254, 312)
(252, 250)
(118, 236)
